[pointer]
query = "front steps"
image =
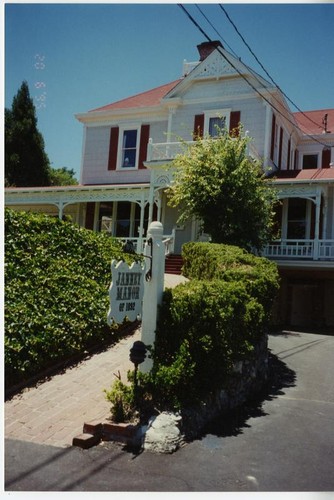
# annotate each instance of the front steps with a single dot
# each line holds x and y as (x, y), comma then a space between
(173, 264)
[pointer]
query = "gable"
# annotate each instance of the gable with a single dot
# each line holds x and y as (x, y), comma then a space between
(219, 65)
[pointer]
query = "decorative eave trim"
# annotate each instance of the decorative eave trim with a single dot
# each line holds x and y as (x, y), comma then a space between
(82, 194)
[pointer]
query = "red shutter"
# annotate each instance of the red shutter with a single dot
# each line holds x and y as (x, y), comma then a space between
(280, 148)
(198, 127)
(234, 123)
(326, 157)
(112, 162)
(272, 148)
(90, 212)
(144, 138)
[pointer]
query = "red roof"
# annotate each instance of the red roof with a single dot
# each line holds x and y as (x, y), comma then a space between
(305, 175)
(145, 99)
(309, 127)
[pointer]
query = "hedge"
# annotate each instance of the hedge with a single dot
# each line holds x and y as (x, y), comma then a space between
(209, 323)
(56, 291)
(230, 263)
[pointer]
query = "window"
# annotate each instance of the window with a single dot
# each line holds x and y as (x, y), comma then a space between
(123, 219)
(215, 125)
(297, 218)
(105, 216)
(216, 120)
(129, 149)
(310, 161)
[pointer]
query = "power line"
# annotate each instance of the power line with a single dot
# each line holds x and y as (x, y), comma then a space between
(255, 75)
(243, 76)
(264, 69)
(217, 32)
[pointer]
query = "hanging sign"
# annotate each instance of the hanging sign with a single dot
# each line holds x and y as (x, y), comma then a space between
(125, 292)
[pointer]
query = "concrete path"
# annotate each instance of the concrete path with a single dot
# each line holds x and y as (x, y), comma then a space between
(54, 411)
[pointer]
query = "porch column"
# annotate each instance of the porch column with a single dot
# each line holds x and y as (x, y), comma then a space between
(151, 198)
(317, 226)
(159, 205)
(141, 226)
(60, 210)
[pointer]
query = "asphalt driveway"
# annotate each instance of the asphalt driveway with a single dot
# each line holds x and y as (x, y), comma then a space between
(282, 442)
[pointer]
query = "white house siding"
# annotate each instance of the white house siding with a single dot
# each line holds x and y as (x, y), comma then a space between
(252, 117)
(96, 156)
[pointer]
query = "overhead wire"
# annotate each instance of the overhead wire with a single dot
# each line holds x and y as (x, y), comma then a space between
(264, 69)
(255, 75)
(244, 78)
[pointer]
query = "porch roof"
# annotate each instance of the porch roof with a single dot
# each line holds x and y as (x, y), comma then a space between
(316, 175)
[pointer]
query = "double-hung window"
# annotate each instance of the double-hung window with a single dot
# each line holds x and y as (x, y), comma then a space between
(215, 121)
(129, 147)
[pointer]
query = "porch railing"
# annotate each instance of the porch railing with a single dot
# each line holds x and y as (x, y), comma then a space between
(300, 249)
(139, 243)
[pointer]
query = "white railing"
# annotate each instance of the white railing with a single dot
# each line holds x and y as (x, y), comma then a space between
(167, 151)
(169, 242)
(326, 249)
(139, 243)
(300, 249)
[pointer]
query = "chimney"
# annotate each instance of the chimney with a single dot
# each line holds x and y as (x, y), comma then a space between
(206, 48)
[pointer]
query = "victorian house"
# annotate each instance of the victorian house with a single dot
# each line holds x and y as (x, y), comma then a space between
(128, 147)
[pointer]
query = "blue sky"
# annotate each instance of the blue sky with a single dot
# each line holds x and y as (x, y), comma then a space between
(77, 57)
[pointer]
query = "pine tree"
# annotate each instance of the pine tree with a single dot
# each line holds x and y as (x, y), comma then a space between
(26, 162)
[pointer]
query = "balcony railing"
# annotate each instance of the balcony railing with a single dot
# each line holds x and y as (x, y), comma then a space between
(300, 249)
(167, 151)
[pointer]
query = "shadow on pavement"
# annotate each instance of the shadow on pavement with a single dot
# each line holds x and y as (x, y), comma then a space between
(233, 422)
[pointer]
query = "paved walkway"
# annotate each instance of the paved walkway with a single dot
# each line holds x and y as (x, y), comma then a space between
(54, 411)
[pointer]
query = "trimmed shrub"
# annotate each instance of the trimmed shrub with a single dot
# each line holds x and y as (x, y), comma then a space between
(56, 291)
(230, 263)
(209, 323)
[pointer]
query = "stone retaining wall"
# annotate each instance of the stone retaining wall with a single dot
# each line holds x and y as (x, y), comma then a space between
(248, 380)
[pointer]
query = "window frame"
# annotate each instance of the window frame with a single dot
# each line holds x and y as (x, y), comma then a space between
(311, 153)
(122, 130)
(216, 113)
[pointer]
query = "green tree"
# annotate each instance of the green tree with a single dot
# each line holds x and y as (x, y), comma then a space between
(219, 184)
(63, 177)
(26, 162)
